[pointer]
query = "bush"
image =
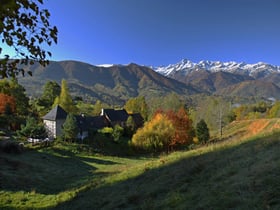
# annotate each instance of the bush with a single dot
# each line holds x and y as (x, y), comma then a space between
(9, 146)
(107, 131)
(118, 131)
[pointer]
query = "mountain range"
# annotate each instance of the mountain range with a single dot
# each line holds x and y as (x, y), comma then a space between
(114, 84)
(259, 80)
(186, 67)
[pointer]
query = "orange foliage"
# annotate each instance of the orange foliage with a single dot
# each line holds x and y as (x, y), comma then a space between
(165, 131)
(183, 128)
(6, 100)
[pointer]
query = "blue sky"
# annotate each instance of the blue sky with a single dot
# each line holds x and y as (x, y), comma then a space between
(160, 32)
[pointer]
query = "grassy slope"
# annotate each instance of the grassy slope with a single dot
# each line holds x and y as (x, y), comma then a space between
(240, 173)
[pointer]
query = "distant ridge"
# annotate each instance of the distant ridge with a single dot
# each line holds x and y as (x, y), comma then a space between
(113, 84)
(259, 80)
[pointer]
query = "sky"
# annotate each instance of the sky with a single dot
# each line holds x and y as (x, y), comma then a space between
(162, 32)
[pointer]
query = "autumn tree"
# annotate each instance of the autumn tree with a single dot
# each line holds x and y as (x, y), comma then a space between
(155, 136)
(13, 88)
(137, 105)
(24, 28)
(167, 130)
(7, 104)
(184, 131)
(202, 131)
(275, 110)
(65, 99)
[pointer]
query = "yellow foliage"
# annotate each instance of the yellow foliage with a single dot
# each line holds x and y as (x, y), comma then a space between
(155, 135)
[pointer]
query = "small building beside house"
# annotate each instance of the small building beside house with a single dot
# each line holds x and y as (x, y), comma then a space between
(55, 119)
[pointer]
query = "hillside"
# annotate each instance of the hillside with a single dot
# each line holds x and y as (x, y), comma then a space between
(113, 84)
(241, 172)
(258, 89)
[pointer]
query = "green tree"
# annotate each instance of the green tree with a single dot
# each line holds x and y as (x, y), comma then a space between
(65, 99)
(24, 27)
(51, 91)
(169, 102)
(43, 104)
(33, 129)
(70, 128)
(202, 131)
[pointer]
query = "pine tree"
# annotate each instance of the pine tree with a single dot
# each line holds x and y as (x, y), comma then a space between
(65, 99)
(70, 128)
(202, 131)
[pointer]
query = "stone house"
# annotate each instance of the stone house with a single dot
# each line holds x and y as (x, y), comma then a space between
(55, 119)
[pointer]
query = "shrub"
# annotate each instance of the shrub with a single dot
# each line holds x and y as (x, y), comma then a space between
(9, 146)
(117, 132)
(107, 131)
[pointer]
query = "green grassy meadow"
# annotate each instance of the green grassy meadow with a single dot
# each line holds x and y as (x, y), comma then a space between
(240, 172)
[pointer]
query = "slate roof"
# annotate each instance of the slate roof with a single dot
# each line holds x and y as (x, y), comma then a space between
(96, 122)
(55, 114)
(116, 115)
(138, 119)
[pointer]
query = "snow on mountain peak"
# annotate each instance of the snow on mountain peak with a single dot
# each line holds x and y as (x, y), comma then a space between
(186, 66)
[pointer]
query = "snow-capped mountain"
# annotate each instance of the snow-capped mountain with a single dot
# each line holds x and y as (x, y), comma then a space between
(185, 67)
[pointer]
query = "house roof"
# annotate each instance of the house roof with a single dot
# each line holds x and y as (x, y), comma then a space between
(55, 114)
(138, 119)
(115, 115)
(96, 122)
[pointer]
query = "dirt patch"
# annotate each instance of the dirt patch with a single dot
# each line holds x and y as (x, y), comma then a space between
(257, 126)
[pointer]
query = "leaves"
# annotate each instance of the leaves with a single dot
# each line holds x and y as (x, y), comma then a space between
(137, 105)
(165, 131)
(7, 104)
(25, 27)
(65, 99)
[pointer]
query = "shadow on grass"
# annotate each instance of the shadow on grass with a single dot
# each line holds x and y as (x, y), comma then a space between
(237, 177)
(64, 153)
(46, 173)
